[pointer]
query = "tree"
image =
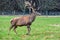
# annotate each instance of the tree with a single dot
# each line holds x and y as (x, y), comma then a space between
(38, 4)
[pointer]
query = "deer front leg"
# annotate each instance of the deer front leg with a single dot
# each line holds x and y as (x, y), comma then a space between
(10, 29)
(15, 29)
(28, 28)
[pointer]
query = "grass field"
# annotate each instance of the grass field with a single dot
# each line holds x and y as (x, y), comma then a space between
(43, 28)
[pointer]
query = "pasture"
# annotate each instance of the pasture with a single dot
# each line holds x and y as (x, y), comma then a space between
(43, 28)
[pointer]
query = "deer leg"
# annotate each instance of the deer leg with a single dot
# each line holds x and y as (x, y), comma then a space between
(28, 28)
(15, 29)
(10, 29)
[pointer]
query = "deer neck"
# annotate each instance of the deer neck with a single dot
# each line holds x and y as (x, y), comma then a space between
(33, 16)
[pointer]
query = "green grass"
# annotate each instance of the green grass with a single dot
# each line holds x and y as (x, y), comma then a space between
(41, 29)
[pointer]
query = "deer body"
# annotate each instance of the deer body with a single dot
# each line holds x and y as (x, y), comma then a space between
(23, 21)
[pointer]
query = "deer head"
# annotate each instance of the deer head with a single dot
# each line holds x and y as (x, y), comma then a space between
(28, 4)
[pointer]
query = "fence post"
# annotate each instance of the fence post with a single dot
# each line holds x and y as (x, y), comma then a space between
(2, 13)
(13, 12)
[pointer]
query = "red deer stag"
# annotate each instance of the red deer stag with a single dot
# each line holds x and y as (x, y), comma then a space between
(23, 21)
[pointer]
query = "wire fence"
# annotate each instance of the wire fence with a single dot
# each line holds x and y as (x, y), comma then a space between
(23, 13)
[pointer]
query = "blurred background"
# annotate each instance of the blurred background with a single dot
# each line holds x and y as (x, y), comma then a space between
(17, 7)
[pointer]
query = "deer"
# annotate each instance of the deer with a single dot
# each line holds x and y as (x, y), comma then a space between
(23, 21)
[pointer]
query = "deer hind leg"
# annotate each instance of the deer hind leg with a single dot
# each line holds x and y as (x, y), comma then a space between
(15, 29)
(28, 28)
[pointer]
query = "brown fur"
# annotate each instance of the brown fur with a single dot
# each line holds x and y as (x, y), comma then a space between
(23, 21)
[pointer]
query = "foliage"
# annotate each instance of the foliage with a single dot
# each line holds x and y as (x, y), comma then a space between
(39, 4)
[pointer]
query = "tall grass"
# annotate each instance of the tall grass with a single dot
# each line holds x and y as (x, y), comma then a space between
(43, 28)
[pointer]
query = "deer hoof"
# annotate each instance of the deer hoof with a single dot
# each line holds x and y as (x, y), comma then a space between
(27, 34)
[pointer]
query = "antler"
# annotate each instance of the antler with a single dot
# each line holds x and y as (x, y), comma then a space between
(28, 4)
